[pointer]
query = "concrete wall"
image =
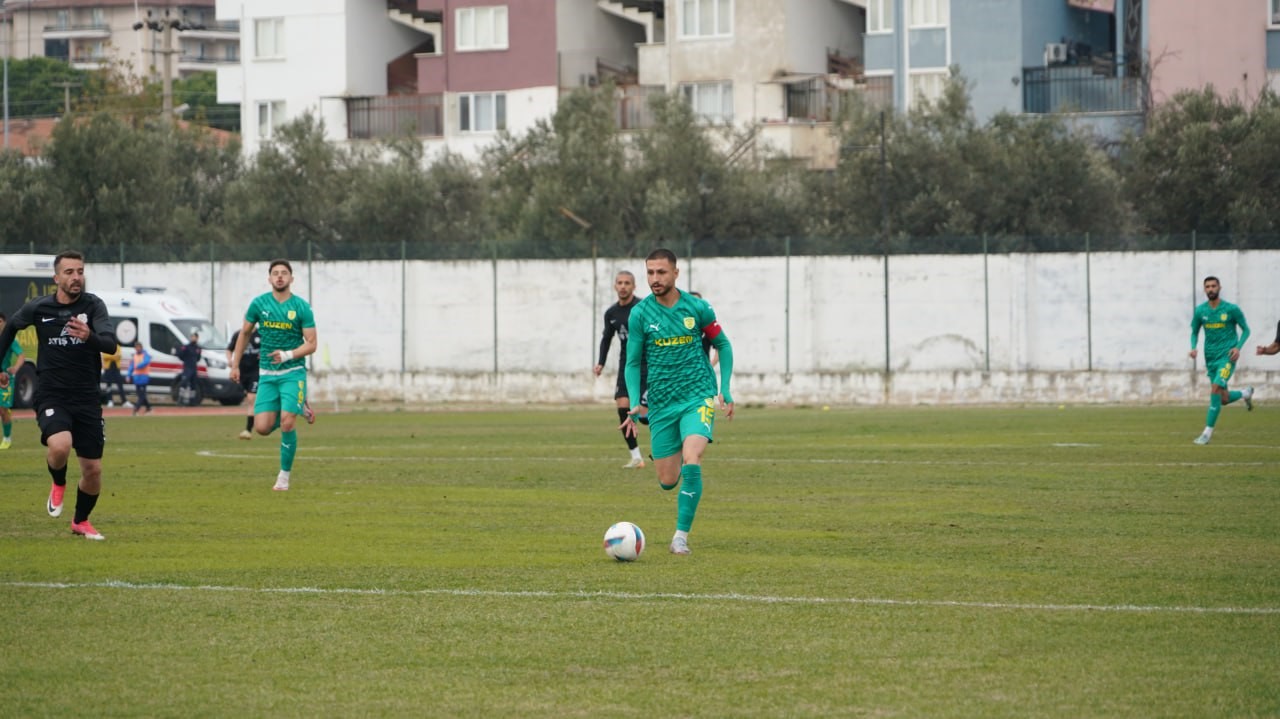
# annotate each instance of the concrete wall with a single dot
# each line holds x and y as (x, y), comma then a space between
(1104, 327)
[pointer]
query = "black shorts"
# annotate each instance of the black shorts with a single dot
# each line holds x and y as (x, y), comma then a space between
(83, 421)
(620, 389)
(249, 382)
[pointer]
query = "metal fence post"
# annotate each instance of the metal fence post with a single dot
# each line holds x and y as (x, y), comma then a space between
(786, 309)
(986, 304)
(1088, 301)
(404, 307)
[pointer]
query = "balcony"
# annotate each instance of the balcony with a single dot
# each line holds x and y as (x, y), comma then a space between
(371, 118)
(818, 98)
(1098, 86)
(97, 31)
(213, 31)
(202, 63)
(89, 60)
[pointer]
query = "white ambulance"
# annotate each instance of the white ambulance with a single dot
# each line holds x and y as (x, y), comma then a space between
(164, 323)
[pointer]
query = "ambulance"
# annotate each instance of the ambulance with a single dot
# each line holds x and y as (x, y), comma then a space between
(164, 322)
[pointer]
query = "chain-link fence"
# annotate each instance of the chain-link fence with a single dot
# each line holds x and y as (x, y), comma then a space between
(587, 247)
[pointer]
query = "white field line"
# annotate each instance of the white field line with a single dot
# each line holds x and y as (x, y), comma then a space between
(722, 459)
(652, 596)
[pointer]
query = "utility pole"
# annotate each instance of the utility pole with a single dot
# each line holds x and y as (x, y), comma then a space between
(66, 95)
(166, 105)
(167, 26)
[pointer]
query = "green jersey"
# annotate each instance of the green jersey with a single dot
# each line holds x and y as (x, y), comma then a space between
(15, 349)
(280, 326)
(1224, 329)
(671, 342)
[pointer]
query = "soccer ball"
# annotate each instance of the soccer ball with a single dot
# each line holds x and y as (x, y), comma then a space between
(624, 542)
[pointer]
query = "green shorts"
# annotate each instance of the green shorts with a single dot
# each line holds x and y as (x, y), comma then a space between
(669, 426)
(281, 393)
(1220, 370)
(6, 394)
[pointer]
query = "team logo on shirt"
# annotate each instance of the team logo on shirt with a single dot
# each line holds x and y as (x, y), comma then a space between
(293, 315)
(1223, 317)
(689, 323)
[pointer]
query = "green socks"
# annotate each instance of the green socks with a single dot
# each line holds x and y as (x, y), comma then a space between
(1234, 395)
(288, 447)
(690, 492)
(8, 430)
(1215, 406)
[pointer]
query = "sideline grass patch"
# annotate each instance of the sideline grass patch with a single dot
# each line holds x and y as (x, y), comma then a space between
(866, 562)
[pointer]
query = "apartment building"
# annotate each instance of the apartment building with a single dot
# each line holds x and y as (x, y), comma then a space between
(91, 34)
(457, 72)
(454, 73)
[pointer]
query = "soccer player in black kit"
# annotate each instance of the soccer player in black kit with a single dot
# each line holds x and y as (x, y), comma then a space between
(615, 322)
(72, 331)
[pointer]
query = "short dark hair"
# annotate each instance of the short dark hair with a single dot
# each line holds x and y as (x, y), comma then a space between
(662, 253)
(280, 261)
(3, 316)
(1215, 279)
(66, 255)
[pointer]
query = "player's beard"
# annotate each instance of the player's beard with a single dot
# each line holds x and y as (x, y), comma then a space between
(1211, 295)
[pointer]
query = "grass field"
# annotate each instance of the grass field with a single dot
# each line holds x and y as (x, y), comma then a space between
(969, 562)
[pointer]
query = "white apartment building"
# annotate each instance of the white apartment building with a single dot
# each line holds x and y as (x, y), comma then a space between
(91, 34)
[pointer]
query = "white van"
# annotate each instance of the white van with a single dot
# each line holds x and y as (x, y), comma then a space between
(165, 322)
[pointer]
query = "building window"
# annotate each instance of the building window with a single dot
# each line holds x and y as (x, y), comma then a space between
(879, 16)
(62, 20)
(482, 28)
(268, 37)
(482, 112)
(1275, 12)
(270, 116)
(711, 101)
(232, 52)
(706, 18)
(928, 85)
(929, 13)
(98, 17)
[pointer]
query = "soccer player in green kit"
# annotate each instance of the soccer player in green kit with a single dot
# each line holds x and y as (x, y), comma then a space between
(1225, 332)
(287, 329)
(667, 327)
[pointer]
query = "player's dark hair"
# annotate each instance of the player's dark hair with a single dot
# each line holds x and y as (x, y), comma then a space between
(280, 261)
(625, 272)
(662, 253)
(3, 316)
(66, 255)
(1215, 279)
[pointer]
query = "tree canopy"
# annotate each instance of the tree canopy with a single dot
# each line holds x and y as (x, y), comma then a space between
(117, 175)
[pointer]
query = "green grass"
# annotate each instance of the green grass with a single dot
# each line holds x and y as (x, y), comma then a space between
(994, 562)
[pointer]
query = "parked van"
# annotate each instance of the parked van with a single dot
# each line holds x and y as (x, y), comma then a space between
(164, 323)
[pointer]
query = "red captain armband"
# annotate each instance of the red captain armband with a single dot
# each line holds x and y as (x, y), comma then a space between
(712, 330)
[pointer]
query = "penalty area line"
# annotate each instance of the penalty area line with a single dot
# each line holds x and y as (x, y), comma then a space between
(653, 596)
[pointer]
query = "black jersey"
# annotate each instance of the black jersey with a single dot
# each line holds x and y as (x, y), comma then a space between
(68, 368)
(249, 359)
(615, 322)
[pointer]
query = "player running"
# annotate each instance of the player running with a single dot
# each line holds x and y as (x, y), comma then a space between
(615, 322)
(287, 329)
(665, 332)
(1225, 332)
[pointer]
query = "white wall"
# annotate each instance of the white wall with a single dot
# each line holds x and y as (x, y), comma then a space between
(1106, 327)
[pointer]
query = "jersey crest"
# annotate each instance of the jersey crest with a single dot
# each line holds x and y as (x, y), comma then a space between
(690, 323)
